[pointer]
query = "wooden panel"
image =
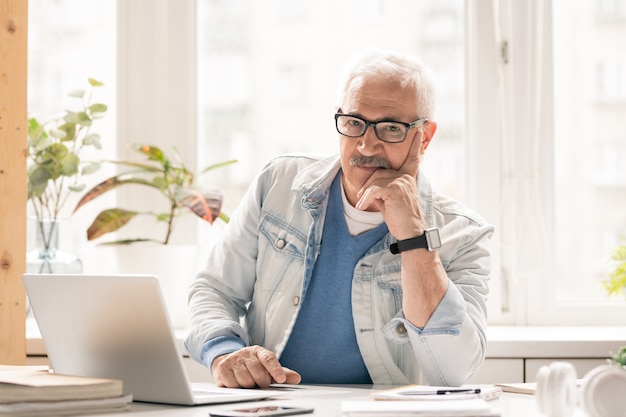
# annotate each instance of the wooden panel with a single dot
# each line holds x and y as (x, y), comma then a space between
(13, 131)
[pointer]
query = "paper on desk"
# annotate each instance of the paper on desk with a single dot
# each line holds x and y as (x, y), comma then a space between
(470, 407)
(438, 393)
(295, 391)
(519, 387)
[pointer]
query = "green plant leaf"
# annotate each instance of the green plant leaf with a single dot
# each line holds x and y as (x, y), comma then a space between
(33, 125)
(620, 357)
(77, 188)
(162, 217)
(90, 168)
(92, 139)
(70, 131)
(615, 284)
(58, 133)
(83, 119)
(109, 221)
(52, 159)
(108, 185)
(38, 177)
(94, 83)
(129, 241)
(98, 108)
(160, 183)
(152, 152)
(218, 165)
(69, 165)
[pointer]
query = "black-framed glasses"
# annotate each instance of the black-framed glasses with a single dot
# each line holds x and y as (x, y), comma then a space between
(388, 131)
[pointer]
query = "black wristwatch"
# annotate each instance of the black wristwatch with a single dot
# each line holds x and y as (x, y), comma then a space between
(430, 240)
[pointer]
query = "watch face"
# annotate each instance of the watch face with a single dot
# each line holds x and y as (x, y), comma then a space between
(433, 238)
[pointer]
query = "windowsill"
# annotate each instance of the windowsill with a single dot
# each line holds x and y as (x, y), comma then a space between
(503, 341)
(554, 341)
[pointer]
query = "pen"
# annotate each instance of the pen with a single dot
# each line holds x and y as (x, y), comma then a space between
(450, 391)
(458, 391)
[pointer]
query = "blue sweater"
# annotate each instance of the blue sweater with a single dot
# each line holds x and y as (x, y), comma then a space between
(323, 346)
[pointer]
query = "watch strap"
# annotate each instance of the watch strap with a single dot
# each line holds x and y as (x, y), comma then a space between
(408, 244)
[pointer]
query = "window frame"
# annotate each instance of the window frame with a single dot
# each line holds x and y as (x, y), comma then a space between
(510, 99)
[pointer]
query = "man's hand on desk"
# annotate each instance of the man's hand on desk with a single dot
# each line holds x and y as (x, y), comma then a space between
(251, 367)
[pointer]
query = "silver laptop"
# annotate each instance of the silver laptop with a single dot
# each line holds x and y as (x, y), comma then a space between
(118, 327)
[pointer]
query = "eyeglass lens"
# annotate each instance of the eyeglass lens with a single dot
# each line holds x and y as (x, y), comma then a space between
(385, 131)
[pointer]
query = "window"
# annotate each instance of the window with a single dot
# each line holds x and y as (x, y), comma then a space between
(531, 100)
(279, 71)
(546, 141)
(590, 146)
(70, 41)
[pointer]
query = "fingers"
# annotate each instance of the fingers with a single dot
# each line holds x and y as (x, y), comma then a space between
(292, 377)
(251, 367)
(409, 166)
(271, 365)
(411, 162)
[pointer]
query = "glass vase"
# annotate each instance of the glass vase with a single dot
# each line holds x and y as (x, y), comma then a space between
(47, 257)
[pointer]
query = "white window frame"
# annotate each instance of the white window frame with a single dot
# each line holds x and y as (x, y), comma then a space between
(509, 178)
(511, 156)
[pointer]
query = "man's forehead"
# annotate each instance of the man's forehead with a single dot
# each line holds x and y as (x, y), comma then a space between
(387, 95)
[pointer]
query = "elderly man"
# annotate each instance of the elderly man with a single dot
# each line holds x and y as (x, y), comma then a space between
(349, 268)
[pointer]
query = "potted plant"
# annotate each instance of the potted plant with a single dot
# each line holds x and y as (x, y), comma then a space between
(175, 185)
(617, 277)
(171, 179)
(55, 171)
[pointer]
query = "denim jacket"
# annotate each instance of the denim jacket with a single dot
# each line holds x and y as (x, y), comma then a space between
(257, 275)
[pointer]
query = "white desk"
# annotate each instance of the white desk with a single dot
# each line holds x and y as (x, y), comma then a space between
(327, 404)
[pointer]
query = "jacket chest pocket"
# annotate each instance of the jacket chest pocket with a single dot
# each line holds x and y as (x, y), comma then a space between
(281, 254)
(389, 291)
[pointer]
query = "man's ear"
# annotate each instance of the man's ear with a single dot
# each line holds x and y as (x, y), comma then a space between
(429, 130)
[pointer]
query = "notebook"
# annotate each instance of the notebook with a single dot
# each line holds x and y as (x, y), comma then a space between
(118, 327)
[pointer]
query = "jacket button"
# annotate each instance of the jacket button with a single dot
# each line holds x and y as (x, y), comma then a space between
(400, 329)
(280, 243)
(296, 300)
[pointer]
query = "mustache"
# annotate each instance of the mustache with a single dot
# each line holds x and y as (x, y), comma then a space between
(375, 161)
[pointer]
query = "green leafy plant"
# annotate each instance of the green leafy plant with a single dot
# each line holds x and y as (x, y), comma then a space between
(168, 177)
(617, 277)
(55, 169)
(619, 358)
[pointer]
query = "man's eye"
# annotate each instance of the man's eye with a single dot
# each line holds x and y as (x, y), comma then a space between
(355, 123)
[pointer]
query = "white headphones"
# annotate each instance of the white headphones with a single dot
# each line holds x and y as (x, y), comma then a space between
(602, 393)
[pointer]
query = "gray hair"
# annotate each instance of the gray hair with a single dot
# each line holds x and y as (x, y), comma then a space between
(406, 69)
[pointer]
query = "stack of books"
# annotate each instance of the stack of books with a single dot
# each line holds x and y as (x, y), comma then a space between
(28, 391)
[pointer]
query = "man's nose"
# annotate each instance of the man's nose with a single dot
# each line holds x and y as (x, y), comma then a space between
(369, 142)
